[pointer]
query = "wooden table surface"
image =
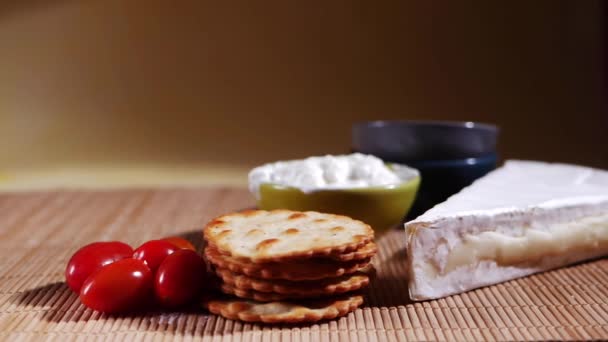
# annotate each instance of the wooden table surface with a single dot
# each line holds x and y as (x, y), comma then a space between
(40, 230)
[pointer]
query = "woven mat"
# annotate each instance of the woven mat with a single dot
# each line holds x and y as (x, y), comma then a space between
(39, 231)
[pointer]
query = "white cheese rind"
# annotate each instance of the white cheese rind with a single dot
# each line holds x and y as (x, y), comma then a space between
(510, 209)
(522, 185)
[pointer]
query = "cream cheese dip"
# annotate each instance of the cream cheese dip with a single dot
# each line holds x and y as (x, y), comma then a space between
(330, 172)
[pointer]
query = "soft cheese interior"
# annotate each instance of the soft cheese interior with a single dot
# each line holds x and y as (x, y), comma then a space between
(523, 218)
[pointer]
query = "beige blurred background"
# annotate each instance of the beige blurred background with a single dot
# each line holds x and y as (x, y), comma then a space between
(205, 90)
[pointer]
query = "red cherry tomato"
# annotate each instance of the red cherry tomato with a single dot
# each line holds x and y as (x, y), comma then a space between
(125, 285)
(180, 243)
(92, 257)
(179, 278)
(154, 252)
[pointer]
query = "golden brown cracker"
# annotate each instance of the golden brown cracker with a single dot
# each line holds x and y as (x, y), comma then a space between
(261, 296)
(258, 236)
(364, 252)
(322, 287)
(308, 269)
(283, 311)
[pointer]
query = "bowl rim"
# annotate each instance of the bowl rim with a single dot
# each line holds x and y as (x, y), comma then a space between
(461, 162)
(414, 182)
(429, 123)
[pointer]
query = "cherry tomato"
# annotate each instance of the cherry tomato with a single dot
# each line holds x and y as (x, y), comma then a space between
(92, 257)
(125, 285)
(179, 278)
(154, 252)
(180, 243)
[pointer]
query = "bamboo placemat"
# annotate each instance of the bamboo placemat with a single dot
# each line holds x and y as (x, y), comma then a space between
(39, 231)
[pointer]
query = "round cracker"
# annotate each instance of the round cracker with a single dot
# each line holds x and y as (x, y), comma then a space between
(262, 296)
(322, 287)
(259, 236)
(308, 269)
(283, 311)
(367, 251)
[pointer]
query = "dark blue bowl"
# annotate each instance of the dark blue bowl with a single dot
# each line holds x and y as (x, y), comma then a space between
(449, 155)
(442, 178)
(406, 141)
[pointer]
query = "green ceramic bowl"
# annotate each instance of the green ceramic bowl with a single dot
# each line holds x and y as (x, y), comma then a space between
(382, 207)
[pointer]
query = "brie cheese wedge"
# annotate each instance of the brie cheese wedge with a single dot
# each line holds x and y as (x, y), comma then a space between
(522, 218)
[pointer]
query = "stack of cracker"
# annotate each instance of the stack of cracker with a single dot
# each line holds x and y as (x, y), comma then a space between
(285, 266)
